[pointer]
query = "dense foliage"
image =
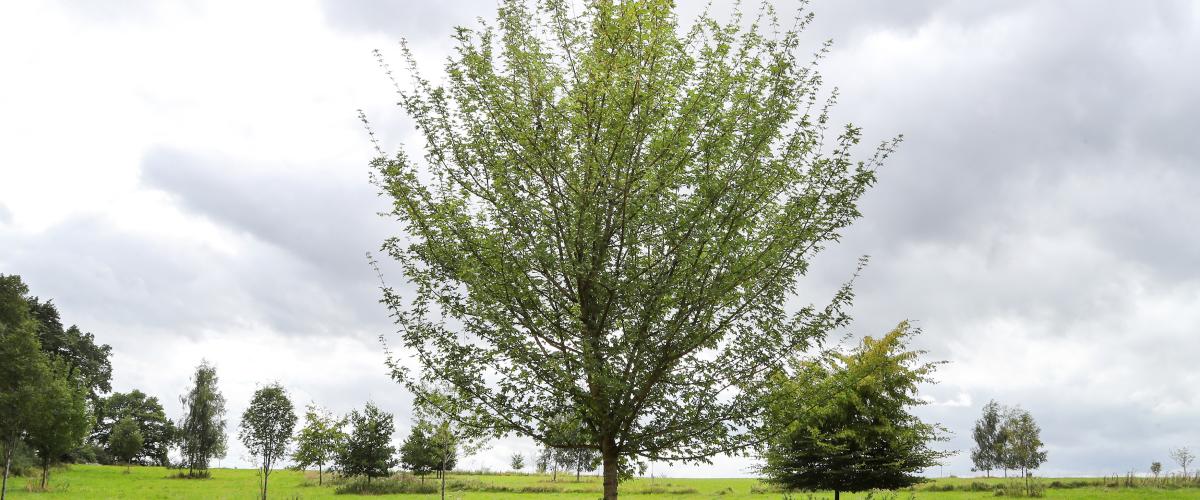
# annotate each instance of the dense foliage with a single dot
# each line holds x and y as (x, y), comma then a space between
(158, 432)
(367, 450)
(610, 215)
(844, 424)
(989, 443)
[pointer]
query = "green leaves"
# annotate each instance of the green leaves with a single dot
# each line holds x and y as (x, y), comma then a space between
(608, 219)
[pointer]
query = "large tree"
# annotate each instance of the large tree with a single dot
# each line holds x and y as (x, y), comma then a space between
(23, 372)
(317, 442)
(158, 432)
(861, 435)
(201, 432)
(611, 213)
(267, 429)
(367, 450)
(416, 453)
(989, 443)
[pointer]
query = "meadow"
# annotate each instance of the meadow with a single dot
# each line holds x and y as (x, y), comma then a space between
(111, 482)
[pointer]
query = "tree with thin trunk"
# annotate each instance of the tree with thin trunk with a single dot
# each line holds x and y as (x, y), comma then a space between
(23, 372)
(61, 422)
(126, 440)
(367, 450)
(988, 441)
(202, 430)
(1156, 469)
(1184, 457)
(453, 431)
(1024, 443)
(318, 441)
(610, 216)
(267, 429)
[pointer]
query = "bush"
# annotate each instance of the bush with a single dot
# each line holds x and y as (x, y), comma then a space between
(385, 486)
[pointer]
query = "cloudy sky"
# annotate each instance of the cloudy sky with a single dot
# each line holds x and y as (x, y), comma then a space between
(188, 180)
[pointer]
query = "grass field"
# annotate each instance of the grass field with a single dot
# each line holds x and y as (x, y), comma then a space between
(95, 481)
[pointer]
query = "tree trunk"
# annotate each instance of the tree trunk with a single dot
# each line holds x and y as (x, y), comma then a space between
(45, 472)
(320, 475)
(443, 478)
(608, 450)
(8, 451)
(837, 495)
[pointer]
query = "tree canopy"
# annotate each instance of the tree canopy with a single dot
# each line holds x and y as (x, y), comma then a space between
(861, 434)
(989, 442)
(610, 215)
(126, 441)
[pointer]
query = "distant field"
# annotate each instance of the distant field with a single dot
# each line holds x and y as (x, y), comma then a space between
(95, 481)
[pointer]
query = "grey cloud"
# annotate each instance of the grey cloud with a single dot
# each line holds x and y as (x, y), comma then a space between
(416, 21)
(5, 214)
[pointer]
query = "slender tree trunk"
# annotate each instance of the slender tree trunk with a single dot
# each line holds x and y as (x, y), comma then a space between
(320, 475)
(443, 478)
(837, 495)
(45, 471)
(608, 450)
(8, 451)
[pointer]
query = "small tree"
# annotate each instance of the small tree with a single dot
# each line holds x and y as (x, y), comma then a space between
(61, 422)
(517, 462)
(1023, 443)
(453, 429)
(416, 454)
(862, 435)
(126, 441)
(318, 441)
(367, 450)
(1156, 469)
(1184, 457)
(202, 430)
(267, 428)
(988, 440)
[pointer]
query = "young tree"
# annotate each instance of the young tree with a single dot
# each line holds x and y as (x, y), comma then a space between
(267, 428)
(23, 372)
(1023, 443)
(988, 441)
(610, 217)
(202, 430)
(453, 429)
(862, 436)
(1156, 469)
(158, 432)
(126, 441)
(61, 420)
(318, 441)
(1182, 456)
(517, 462)
(368, 450)
(416, 454)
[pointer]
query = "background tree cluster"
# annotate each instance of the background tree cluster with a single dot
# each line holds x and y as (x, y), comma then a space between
(1007, 438)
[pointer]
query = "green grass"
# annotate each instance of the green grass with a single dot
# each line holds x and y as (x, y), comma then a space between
(107, 482)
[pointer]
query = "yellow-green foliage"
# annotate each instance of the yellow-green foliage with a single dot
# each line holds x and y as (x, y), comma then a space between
(110, 482)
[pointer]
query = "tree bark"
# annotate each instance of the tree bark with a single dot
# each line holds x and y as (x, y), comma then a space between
(45, 472)
(443, 478)
(320, 475)
(608, 450)
(837, 495)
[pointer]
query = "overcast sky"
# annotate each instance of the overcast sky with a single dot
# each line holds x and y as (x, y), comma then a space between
(189, 180)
